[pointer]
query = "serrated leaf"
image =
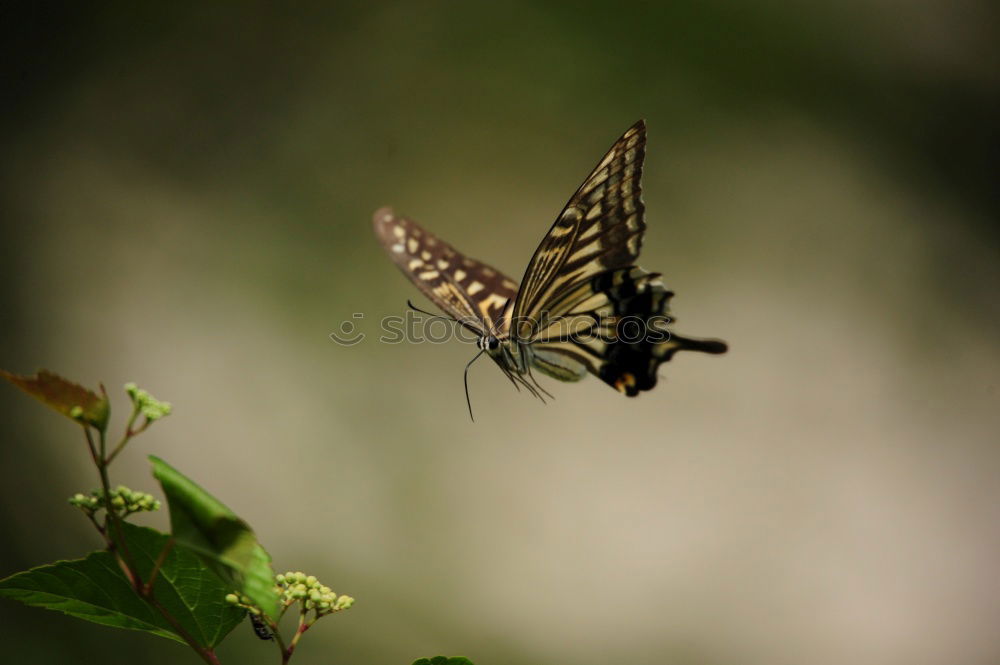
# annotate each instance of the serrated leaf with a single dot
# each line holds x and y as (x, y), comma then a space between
(95, 589)
(71, 400)
(226, 543)
(443, 660)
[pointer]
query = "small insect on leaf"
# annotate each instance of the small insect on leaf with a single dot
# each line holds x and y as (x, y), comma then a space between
(260, 629)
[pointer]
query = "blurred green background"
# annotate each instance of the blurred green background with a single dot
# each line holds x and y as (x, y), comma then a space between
(186, 201)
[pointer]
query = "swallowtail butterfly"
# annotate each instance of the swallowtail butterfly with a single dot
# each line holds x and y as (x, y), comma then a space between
(582, 306)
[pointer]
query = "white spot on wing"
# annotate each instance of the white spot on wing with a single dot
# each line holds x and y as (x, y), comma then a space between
(595, 211)
(562, 230)
(591, 231)
(596, 180)
(607, 159)
(398, 248)
(585, 251)
(491, 301)
(633, 245)
(475, 288)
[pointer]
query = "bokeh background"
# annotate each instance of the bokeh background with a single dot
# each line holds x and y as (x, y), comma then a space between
(186, 200)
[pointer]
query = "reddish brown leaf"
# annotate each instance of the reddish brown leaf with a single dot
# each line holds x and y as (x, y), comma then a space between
(66, 397)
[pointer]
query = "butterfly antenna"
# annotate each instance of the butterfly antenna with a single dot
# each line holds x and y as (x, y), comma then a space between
(430, 314)
(465, 378)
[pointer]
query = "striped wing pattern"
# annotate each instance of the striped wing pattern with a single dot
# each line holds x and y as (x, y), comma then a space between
(614, 326)
(470, 291)
(599, 229)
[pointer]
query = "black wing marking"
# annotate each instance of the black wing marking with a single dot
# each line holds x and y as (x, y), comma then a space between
(614, 326)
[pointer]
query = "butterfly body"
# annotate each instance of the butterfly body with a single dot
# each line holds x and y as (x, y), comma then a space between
(505, 352)
(583, 306)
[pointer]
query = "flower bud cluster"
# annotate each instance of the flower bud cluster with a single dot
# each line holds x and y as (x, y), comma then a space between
(297, 587)
(123, 500)
(306, 589)
(149, 406)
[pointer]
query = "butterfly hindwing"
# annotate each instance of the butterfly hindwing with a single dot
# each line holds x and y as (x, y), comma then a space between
(599, 229)
(468, 290)
(614, 326)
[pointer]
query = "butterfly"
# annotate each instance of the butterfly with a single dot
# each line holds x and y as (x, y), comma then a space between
(583, 306)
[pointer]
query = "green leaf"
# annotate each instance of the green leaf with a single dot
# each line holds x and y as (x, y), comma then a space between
(226, 543)
(442, 660)
(95, 589)
(71, 400)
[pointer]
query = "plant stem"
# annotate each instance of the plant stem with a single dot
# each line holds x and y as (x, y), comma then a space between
(100, 529)
(119, 548)
(302, 628)
(90, 444)
(129, 433)
(118, 545)
(277, 640)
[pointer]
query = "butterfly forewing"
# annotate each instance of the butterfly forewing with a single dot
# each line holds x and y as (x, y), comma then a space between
(466, 289)
(600, 229)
